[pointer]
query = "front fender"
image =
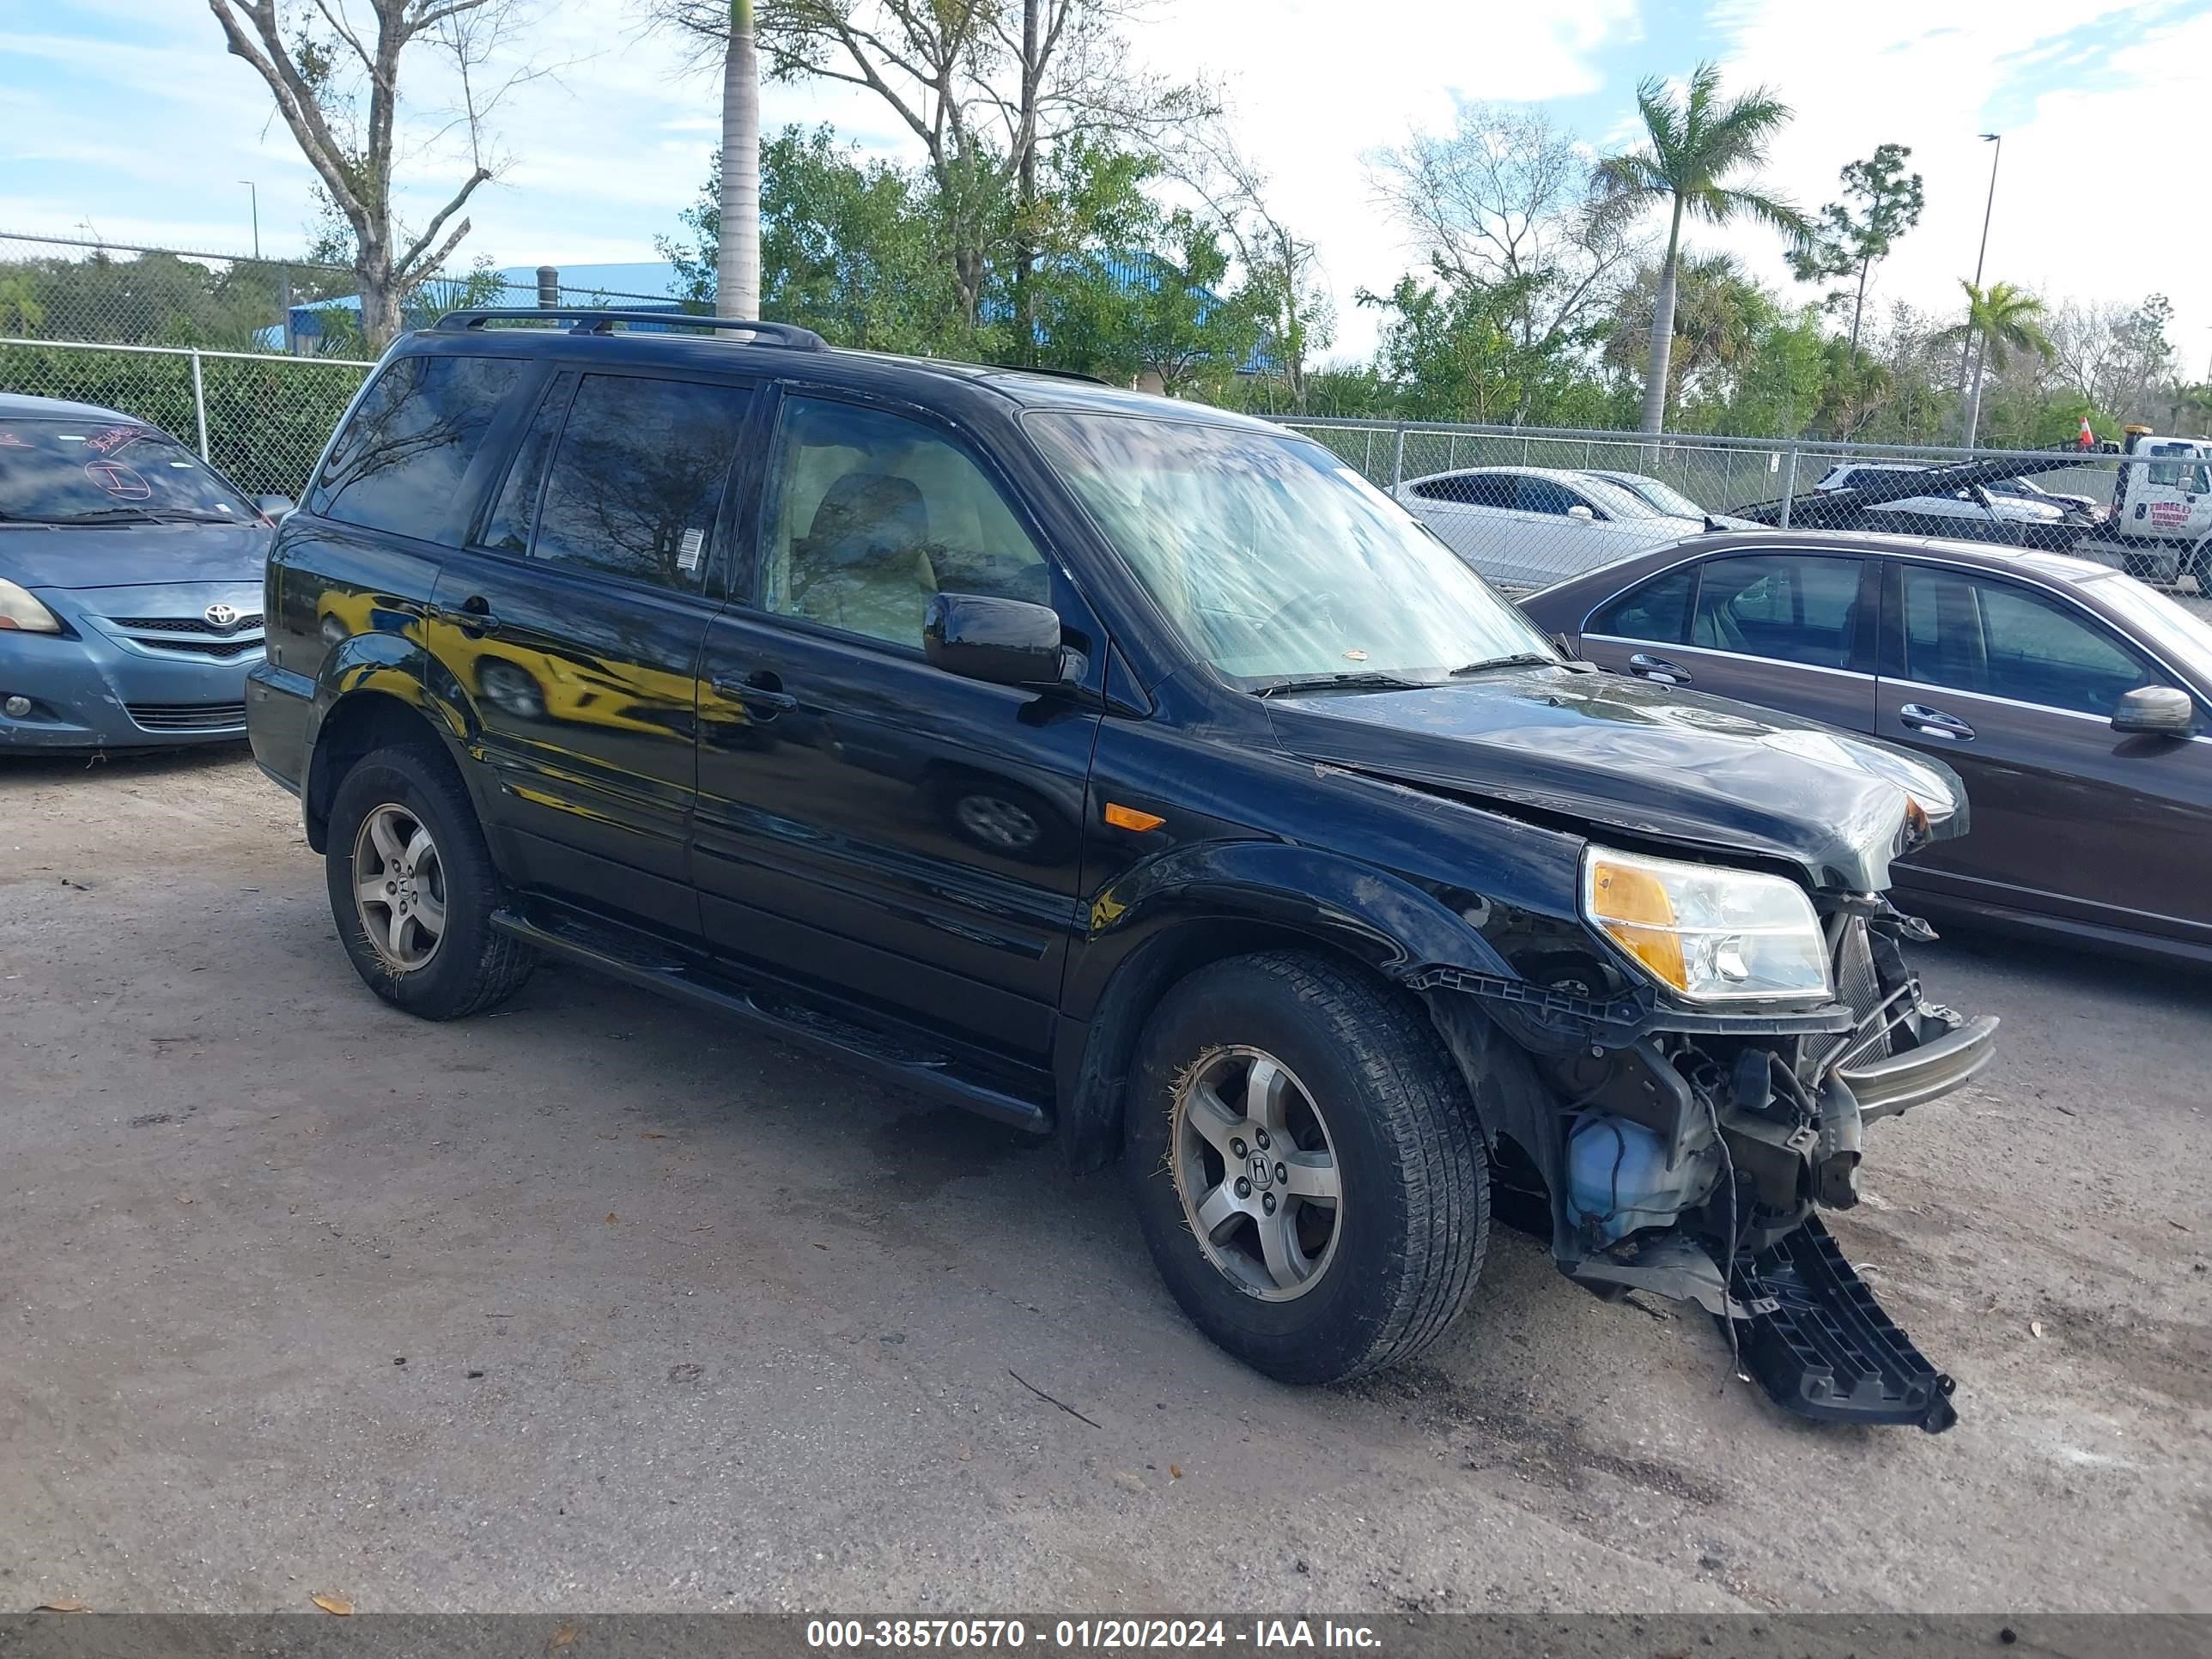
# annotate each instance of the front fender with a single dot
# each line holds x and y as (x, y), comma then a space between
(1394, 924)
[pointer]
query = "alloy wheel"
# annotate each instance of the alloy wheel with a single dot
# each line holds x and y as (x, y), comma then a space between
(1253, 1164)
(399, 888)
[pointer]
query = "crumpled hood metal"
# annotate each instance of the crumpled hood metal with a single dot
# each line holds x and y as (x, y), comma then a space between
(1655, 761)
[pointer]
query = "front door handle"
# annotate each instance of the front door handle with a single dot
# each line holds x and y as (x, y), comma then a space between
(761, 694)
(475, 617)
(1657, 668)
(1934, 723)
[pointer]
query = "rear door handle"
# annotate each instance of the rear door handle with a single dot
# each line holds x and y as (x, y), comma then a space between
(1657, 668)
(761, 699)
(1934, 723)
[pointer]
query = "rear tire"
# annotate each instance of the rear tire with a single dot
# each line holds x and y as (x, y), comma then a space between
(413, 888)
(1368, 1101)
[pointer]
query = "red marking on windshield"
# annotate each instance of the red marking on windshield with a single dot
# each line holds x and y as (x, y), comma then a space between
(9, 440)
(113, 438)
(118, 481)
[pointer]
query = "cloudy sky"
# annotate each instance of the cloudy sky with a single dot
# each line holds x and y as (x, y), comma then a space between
(127, 116)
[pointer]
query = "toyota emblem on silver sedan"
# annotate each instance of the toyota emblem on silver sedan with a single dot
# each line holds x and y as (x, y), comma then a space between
(220, 615)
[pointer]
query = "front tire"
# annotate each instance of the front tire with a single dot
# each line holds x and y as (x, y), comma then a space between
(413, 888)
(1283, 1077)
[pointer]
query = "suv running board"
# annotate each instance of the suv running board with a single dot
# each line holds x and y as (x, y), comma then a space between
(1821, 1346)
(609, 951)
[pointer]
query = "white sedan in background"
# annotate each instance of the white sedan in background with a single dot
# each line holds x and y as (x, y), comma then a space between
(1529, 527)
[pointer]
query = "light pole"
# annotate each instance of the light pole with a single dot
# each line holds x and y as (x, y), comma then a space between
(1990, 206)
(253, 199)
(1971, 369)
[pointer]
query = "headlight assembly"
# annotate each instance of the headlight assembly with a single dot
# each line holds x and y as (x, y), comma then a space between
(1712, 933)
(19, 611)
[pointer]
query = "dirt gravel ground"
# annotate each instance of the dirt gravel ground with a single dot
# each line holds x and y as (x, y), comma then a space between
(590, 1305)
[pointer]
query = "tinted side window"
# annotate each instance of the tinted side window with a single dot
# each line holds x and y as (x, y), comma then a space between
(1658, 611)
(1990, 637)
(1543, 495)
(508, 527)
(398, 465)
(1793, 608)
(638, 477)
(1476, 490)
(870, 513)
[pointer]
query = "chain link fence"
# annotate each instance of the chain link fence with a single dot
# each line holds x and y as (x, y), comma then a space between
(1527, 506)
(261, 420)
(249, 360)
(76, 288)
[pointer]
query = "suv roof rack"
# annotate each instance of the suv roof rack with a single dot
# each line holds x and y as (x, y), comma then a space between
(587, 320)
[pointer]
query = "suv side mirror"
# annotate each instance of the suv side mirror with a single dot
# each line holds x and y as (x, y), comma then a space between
(1581, 513)
(1000, 642)
(2159, 711)
(273, 508)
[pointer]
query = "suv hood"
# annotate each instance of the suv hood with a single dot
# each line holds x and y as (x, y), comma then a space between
(129, 556)
(1649, 760)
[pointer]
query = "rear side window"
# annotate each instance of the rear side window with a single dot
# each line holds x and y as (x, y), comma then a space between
(638, 477)
(1658, 611)
(1789, 608)
(398, 465)
(508, 527)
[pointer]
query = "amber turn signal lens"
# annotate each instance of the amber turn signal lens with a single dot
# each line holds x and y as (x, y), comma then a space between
(1632, 907)
(1129, 818)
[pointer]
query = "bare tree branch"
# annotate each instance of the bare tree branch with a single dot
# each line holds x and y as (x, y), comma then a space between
(355, 163)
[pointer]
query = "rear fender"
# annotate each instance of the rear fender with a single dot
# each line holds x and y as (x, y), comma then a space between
(373, 676)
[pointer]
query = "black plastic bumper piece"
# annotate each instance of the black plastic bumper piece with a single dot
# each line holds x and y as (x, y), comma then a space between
(1825, 1348)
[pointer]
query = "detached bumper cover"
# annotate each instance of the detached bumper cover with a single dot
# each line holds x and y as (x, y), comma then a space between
(1894, 1082)
(1821, 1346)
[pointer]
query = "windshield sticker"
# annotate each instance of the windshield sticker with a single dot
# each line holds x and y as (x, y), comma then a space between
(119, 480)
(687, 552)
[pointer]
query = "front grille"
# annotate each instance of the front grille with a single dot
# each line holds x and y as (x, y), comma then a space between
(221, 650)
(187, 716)
(182, 624)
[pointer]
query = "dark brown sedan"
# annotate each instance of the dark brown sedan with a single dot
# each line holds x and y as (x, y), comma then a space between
(2076, 702)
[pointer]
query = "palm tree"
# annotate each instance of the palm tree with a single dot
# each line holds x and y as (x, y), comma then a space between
(737, 252)
(1693, 145)
(2001, 320)
(723, 30)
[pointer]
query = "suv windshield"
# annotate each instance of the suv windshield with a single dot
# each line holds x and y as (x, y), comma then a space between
(1276, 562)
(95, 472)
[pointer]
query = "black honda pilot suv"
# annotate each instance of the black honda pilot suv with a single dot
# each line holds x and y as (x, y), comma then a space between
(1130, 772)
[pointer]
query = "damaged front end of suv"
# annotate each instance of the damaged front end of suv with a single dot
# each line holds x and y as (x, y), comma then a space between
(1708, 1023)
(1712, 1069)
